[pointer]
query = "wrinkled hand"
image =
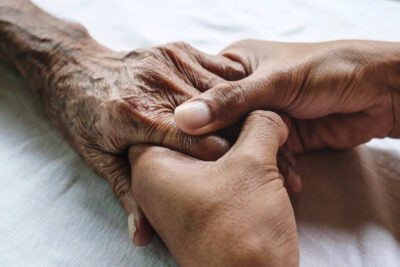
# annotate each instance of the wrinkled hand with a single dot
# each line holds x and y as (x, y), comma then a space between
(340, 94)
(105, 101)
(231, 212)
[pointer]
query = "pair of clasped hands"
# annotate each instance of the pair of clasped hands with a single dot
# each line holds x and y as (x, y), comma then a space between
(201, 146)
(227, 202)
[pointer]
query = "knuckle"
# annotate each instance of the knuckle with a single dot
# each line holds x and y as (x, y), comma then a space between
(181, 45)
(79, 31)
(184, 141)
(120, 185)
(170, 48)
(166, 49)
(142, 54)
(255, 161)
(269, 118)
(175, 139)
(241, 44)
(167, 53)
(228, 95)
(114, 169)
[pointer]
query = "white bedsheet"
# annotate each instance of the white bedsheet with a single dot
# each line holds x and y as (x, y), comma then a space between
(55, 211)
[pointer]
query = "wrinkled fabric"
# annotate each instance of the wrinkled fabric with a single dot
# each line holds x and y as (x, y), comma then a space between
(55, 211)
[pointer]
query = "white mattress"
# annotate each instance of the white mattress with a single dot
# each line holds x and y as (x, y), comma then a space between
(55, 211)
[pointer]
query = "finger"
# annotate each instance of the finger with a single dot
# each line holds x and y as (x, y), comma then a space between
(201, 78)
(117, 172)
(283, 173)
(199, 69)
(163, 130)
(287, 166)
(222, 66)
(294, 182)
(217, 64)
(219, 107)
(262, 134)
(206, 147)
(188, 69)
(337, 131)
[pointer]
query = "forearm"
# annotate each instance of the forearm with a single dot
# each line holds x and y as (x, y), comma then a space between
(36, 43)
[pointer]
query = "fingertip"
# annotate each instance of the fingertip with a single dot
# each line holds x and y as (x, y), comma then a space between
(211, 148)
(143, 235)
(294, 181)
(261, 122)
(140, 231)
(192, 116)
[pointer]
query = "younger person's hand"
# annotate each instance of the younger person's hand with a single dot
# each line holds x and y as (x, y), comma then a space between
(339, 94)
(231, 212)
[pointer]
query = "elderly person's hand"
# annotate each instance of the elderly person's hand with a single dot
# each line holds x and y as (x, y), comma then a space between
(231, 212)
(104, 101)
(335, 91)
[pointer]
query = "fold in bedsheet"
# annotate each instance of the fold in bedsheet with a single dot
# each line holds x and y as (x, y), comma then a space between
(55, 211)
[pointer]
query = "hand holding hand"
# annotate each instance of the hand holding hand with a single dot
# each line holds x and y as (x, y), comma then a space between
(105, 101)
(339, 94)
(231, 212)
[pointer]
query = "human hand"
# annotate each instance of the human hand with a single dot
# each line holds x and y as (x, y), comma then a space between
(104, 101)
(339, 94)
(230, 212)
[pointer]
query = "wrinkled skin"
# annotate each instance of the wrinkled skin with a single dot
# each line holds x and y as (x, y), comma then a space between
(231, 212)
(103, 101)
(334, 91)
(106, 101)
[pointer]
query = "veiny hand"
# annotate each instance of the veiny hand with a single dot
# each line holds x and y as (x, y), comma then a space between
(105, 101)
(340, 93)
(230, 212)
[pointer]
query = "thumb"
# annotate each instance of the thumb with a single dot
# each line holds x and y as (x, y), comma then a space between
(262, 134)
(219, 107)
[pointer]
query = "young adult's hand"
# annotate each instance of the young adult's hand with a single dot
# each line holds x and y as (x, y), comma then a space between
(339, 94)
(231, 212)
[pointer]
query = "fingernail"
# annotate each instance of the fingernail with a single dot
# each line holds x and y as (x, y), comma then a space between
(131, 225)
(192, 115)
